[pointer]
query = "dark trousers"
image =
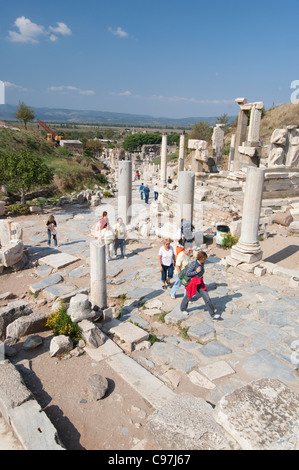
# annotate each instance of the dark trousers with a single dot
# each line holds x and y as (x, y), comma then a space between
(206, 298)
(167, 272)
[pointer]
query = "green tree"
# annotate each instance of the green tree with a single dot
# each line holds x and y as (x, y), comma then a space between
(136, 141)
(22, 172)
(24, 113)
(202, 131)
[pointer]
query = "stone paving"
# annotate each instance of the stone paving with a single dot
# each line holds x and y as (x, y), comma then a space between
(259, 327)
(257, 338)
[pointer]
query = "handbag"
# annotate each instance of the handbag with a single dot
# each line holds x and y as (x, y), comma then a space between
(183, 277)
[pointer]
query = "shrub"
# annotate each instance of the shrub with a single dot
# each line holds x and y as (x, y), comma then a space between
(229, 241)
(60, 322)
(19, 209)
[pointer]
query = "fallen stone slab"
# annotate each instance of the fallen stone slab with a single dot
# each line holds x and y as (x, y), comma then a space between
(153, 390)
(185, 422)
(129, 333)
(259, 415)
(108, 349)
(24, 326)
(214, 349)
(49, 281)
(33, 428)
(13, 391)
(59, 260)
(198, 379)
(11, 312)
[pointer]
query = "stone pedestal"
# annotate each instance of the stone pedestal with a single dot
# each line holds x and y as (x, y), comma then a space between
(125, 190)
(98, 285)
(248, 249)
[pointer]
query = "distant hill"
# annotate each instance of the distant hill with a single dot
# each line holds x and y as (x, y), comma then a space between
(7, 112)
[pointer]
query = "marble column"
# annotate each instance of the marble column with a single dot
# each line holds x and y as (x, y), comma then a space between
(182, 152)
(248, 249)
(163, 174)
(186, 184)
(98, 285)
(125, 190)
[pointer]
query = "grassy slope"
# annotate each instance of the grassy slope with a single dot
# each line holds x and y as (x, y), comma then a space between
(71, 172)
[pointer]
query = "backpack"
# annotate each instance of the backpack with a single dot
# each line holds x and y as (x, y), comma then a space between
(183, 277)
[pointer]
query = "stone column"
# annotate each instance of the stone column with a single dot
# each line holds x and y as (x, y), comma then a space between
(186, 183)
(248, 248)
(163, 175)
(98, 286)
(232, 153)
(241, 133)
(182, 152)
(125, 190)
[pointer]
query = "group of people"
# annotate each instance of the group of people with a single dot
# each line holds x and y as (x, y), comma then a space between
(186, 271)
(113, 237)
(145, 192)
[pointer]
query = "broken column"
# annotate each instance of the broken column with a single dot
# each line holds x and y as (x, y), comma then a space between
(125, 190)
(182, 152)
(248, 149)
(186, 182)
(248, 248)
(218, 143)
(98, 283)
(98, 286)
(163, 174)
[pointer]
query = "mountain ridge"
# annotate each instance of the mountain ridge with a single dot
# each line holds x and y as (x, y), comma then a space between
(7, 112)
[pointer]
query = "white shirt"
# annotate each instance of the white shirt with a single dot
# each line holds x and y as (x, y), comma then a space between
(167, 256)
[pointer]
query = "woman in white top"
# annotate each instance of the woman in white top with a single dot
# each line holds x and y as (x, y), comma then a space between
(107, 237)
(166, 262)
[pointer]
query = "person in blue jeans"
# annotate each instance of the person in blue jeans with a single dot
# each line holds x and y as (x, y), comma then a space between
(182, 261)
(51, 227)
(141, 190)
(146, 193)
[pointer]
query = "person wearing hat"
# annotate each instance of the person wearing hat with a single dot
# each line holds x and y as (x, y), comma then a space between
(183, 259)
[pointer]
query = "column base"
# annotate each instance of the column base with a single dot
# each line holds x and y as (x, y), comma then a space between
(247, 253)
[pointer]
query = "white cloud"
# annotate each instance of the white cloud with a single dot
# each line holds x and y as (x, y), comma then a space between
(28, 31)
(118, 32)
(61, 29)
(67, 88)
(31, 32)
(12, 85)
(122, 93)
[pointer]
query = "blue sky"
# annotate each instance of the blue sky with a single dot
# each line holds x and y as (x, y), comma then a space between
(161, 58)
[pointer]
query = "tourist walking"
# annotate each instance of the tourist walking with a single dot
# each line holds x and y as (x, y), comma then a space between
(181, 241)
(107, 237)
(141, 190)
(51, 229)
(156, 192)
(120, 234)
(102, 222)
(182, 261)
(196, 271)
(166, 260)
(146, 193)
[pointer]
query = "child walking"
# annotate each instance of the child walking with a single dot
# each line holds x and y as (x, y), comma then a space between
(51, 228)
